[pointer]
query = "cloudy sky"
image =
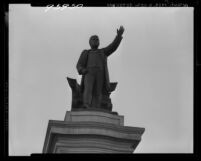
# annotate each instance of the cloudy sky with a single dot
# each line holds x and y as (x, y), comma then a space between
(153, 67)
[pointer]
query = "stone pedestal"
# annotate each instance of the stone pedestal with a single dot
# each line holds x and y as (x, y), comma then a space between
(91, 132)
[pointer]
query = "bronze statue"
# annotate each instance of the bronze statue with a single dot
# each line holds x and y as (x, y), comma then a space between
(95, 87)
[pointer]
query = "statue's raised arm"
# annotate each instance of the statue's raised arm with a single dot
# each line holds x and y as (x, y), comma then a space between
(114, 45)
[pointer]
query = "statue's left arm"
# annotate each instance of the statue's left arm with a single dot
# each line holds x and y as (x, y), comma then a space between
(116, 42)
(81, 64)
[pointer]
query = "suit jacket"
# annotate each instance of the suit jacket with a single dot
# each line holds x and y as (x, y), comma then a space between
(105, 52)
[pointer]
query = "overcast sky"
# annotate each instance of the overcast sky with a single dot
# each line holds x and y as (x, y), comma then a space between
(153, 67)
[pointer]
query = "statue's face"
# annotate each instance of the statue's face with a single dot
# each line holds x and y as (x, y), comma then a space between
(94, 42)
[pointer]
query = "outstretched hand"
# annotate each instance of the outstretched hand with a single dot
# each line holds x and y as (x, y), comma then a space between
(120, 31)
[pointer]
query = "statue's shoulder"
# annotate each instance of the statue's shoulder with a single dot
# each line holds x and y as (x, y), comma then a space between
(85, 51)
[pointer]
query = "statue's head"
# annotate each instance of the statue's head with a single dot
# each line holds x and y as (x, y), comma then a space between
(94, 42)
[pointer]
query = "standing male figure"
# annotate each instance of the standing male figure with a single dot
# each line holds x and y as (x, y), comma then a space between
(92, 65)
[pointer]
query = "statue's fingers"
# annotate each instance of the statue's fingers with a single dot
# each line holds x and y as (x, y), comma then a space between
(123, 28)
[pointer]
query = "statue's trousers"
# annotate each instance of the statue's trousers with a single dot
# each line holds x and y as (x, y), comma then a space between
(93, 87)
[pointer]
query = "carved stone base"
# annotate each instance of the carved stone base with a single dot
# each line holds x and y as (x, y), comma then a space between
(91, 132)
